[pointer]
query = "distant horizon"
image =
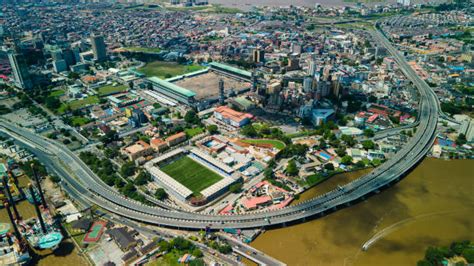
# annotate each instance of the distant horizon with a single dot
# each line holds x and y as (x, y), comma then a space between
(247, 4)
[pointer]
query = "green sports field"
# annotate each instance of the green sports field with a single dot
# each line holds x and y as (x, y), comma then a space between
(163, 69)
(109, 89)
(191, 174)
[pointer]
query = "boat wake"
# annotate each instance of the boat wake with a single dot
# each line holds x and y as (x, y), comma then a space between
(386, 231)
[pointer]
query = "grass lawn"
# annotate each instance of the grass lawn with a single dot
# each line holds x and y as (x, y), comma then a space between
(83, 102)
(191, 132)
(276, 143)
(169, 259)
(315, 179)
(163, 69)
(78, 237)
(79, 121)
(143, 49)
(57, 93)
(109, 89)
(191, 174)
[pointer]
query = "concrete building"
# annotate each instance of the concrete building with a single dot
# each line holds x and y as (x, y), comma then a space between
(231, 71)
(175, 139)
(99, 48)
(312, 70)
(172, 91)
(158, 144)
(59, 66)
(258, 56)
(232, 117)
(307, 84)
(137, 150)
(319, 116)
(20, 71)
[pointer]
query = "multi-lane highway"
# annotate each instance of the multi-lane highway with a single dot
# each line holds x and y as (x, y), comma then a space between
(61, 159)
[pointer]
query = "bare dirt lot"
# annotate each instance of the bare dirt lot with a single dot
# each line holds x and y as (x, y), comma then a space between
(207, 85)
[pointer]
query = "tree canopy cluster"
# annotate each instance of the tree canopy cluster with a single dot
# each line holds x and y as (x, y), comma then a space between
(436, 255)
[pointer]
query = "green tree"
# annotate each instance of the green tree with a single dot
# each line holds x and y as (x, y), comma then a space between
(435, 255)
(249, 131)
(161, 194)
(225, 249)
(329, 167)
(468, 254)
(268, 173)
(394, 119)
(322, 145)
(291, 168)
(369, 133)
(118, 183)
(461, 139)
(360, 164)
(424, 263)
(52, 103)
(181, 244)
(212, 129)
(128, 169)
(368, 144)
(191, 117)
(111, 152)
(341, 151)
(347, 160)
(349, 140)
(164, 246)
(143, 178)
(109, 137)
(197, 253)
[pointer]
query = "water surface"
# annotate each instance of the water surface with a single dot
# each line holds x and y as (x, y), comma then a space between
(433, 205)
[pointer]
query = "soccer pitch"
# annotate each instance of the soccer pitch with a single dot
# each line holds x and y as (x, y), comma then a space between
(191, 174)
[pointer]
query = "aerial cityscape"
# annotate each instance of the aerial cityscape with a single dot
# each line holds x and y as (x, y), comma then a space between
(215, 132)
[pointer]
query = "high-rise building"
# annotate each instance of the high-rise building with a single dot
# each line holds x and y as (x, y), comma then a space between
(293, 63)
(258, 56)
(312, 68)
(56, 54)
(20, 71)
(69, 57)
(295, 48)
(98, 48)
(308, 84)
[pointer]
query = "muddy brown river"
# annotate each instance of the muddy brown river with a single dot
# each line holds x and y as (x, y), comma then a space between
(433, 205)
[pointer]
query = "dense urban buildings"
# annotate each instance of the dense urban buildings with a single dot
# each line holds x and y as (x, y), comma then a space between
(178, 131)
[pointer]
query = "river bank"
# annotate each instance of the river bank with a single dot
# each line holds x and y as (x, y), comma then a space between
(431, 206)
